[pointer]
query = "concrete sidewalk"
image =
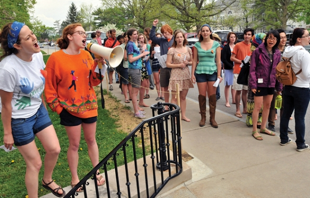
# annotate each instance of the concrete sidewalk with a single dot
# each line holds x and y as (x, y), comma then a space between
(229, 163)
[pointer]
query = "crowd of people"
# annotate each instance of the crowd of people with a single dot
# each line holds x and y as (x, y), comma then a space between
(69, 76)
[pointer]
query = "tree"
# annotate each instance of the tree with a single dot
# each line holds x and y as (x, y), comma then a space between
(71, 16)
(37, 27)
(275, 13)
(85, 16)
(17, 10)
(194, 13)
(305, 14)
(137, 13)
(57, 28)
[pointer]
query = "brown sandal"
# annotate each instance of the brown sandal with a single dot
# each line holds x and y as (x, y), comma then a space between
(54, 191)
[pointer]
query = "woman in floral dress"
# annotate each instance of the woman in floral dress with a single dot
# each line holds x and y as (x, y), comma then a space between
(178, 58)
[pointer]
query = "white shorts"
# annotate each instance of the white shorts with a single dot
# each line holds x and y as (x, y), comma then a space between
(236, 86)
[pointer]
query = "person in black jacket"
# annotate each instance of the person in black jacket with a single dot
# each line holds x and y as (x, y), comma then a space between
(228, 66)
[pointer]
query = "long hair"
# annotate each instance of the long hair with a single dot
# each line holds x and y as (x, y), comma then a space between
(145, 38)
(298, 32)
(276, 34)
(4, 42)
(63, 42)
(229, 35)
(130, 32)
(147, 30)
(175, 34)
(201, 37)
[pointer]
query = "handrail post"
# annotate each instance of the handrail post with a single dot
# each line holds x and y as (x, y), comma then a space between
(163, 164)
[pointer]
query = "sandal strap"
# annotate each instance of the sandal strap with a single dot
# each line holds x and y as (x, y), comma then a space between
(47, 184)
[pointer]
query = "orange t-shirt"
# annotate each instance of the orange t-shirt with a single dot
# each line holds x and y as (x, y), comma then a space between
(69, 84)
(241, 50)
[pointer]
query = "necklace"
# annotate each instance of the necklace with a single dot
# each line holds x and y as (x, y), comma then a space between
(270, 53)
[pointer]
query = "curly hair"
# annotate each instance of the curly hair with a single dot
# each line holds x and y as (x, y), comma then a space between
(6, 51)
(63, 41)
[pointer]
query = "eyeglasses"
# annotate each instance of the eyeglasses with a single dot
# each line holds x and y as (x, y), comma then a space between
(305, 36)
(272, 39)
(283, 37)
(80, 33)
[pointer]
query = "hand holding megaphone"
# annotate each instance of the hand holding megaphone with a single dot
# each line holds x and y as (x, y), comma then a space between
(113, 55)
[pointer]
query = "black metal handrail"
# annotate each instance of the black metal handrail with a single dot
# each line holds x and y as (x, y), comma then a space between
(162, 127)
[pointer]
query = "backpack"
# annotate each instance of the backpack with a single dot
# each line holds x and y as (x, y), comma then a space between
(285, 73)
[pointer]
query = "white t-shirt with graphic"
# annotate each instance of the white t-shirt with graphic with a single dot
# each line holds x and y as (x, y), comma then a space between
(26, 82)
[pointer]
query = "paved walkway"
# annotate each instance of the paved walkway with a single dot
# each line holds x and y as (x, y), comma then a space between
(229, 163)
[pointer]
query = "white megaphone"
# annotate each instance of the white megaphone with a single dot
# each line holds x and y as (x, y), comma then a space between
(113, 55)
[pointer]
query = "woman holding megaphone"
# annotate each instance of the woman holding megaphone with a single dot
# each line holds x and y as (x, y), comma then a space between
(77, 105)
(135, 65)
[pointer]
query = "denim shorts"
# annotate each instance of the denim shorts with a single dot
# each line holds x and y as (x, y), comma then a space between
(25, 129)
(67, 119)
(206, 77)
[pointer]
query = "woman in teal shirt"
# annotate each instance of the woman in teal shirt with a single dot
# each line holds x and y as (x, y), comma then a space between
(206, 68)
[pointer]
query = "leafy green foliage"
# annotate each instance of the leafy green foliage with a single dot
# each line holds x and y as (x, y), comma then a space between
(16, 10)
(275, 13)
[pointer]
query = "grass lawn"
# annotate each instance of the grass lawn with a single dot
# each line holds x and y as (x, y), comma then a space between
(13, 167)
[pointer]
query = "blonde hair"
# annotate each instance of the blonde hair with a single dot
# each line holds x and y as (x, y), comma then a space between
(145, 38)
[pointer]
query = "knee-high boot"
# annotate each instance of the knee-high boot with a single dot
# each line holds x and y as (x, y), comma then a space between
(212, 110)
(202, 104)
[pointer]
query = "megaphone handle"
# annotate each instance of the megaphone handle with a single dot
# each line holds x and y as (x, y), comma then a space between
(101, 89)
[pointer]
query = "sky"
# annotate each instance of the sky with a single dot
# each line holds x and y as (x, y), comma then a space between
(48, 11)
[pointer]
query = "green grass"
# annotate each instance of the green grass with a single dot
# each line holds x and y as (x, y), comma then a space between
(13, 166)
(43, 52)
(45, 58)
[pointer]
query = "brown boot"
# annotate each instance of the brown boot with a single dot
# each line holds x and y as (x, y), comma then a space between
(202, 104)
(212, 110)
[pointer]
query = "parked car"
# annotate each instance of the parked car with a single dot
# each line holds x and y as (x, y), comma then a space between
(51, 44)
(289, 36)
(89, 38)
(240, 36)
(189, 35)
(40, 45)
(192, 41)
(307, 48)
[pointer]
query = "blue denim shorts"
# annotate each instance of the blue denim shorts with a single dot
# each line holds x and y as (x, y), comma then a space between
(206, 77)
(25, 129)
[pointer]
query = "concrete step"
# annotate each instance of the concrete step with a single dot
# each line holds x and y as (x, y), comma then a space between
(154, 181)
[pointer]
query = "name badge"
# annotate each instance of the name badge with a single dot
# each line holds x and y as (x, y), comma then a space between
(260, 80)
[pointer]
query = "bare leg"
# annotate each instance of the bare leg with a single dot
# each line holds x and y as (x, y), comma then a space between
(244, 100)
(157, 82)
(74, 134)
(266, 107)
(142, 92)
(183, 100)
(233, 95)
(33, 164)
(124, 90)
(227, 95)
(237, 102)
(134, 99)
(257, 106)
(51, 146)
